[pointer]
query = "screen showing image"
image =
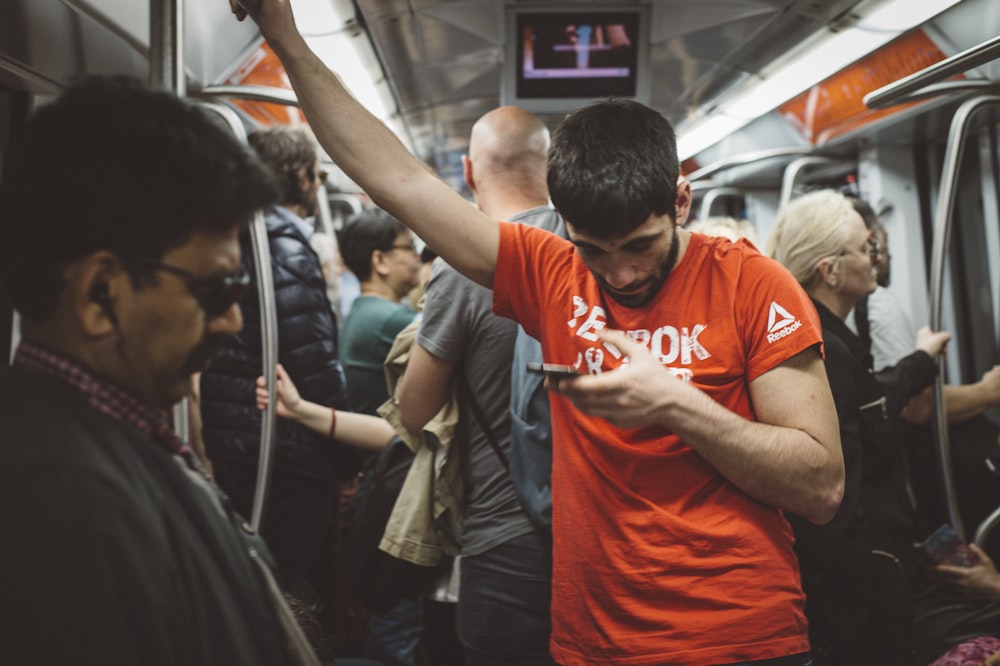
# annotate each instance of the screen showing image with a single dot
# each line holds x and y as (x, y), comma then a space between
(581, 54)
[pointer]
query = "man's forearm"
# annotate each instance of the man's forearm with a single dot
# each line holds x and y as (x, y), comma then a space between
(373, 157)
(778, 465)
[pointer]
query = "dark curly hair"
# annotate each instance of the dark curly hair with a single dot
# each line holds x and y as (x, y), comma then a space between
(611, 165)
(114, 165)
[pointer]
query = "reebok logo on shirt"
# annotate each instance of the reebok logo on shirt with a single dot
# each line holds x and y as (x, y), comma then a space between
(780, 323)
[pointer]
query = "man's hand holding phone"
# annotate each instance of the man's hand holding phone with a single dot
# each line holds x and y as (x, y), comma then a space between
(553, 370)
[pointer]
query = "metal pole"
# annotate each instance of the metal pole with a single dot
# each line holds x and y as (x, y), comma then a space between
(166, 70)
(166, 45)
(939, 249)
(268, 338)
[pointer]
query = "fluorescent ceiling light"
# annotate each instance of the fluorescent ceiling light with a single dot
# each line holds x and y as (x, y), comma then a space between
(814, 60)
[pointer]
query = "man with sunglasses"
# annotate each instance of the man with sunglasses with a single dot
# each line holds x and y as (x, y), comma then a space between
(117, 549)
(304, 490)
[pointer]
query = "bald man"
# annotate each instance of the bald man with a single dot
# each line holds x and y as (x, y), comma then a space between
(503, 613)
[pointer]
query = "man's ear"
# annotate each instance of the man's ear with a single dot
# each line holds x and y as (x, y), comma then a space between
(379, 264)
(305, 180)
(470, 179)
(682, 206)
(94, 287)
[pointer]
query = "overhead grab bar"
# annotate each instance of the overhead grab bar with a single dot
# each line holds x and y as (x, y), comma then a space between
(268, 336)
(942, 238)
(955, 87)
(249, 92)
(745, 159)
(705, 211)
(893, 93)
(796, 167)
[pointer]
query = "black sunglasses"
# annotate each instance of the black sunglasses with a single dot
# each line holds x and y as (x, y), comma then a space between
(216, 294)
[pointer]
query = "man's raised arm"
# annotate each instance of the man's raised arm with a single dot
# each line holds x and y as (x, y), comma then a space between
(375, 159)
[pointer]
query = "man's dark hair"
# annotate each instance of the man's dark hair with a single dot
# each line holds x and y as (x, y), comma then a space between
(611, 166)
(287, 151)
(864, 209)
(363, 233)
(114, 165)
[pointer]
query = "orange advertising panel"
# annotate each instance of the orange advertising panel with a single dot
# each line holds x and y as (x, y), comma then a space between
(834, 107)
(263, 68)
(689, 166)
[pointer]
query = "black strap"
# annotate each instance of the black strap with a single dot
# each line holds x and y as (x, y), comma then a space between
(863, 324)
(477, 412)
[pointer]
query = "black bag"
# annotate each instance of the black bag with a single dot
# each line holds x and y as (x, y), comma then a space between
(975, 452)
(945, 619)
(975, 460)
(379, 579)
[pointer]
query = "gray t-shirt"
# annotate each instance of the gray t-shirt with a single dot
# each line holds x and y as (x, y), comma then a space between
(459, 326)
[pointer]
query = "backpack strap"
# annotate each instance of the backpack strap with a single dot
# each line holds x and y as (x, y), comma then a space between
(477, 412)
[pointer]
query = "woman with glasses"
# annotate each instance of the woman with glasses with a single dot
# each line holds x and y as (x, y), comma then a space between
(858, 569)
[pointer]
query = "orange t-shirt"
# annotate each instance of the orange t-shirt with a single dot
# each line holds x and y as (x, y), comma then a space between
(657, 558)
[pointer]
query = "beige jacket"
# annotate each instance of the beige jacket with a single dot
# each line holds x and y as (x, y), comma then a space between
(426, 521)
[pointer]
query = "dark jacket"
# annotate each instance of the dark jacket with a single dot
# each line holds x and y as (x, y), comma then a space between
(857, 569)
(307, 348)
(111, 555)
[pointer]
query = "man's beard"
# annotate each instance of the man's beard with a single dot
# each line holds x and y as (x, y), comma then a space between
(654, 282)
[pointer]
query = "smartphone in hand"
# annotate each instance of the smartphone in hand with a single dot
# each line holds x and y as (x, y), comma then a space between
(553, 370)
(944, 546)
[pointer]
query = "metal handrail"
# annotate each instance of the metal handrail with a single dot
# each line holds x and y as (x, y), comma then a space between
(795, 167)
(942, 238)
(248, 92)
(959, 63)
(955, 87)
(745, 159)
(986, 527)
(268, 336)
(713, 194)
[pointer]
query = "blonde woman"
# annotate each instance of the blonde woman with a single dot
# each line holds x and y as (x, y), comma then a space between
(857, 569)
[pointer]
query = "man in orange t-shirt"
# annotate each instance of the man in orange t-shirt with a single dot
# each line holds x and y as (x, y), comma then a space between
(697, 424)
(655, 554)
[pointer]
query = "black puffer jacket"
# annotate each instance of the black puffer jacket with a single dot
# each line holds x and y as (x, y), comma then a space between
(307, 348)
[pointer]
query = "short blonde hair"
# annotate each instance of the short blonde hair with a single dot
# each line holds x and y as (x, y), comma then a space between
(810, 229)
(727, 227)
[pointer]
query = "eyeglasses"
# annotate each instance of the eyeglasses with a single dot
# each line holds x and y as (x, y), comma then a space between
(320, 175)
(216, 294)
(412, 247)
(872, 248)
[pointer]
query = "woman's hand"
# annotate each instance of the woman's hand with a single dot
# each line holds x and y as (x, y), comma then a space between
(981, 580)
(931, 342)
(289, 400)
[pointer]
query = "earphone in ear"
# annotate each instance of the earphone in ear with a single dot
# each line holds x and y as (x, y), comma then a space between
(100, 294)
